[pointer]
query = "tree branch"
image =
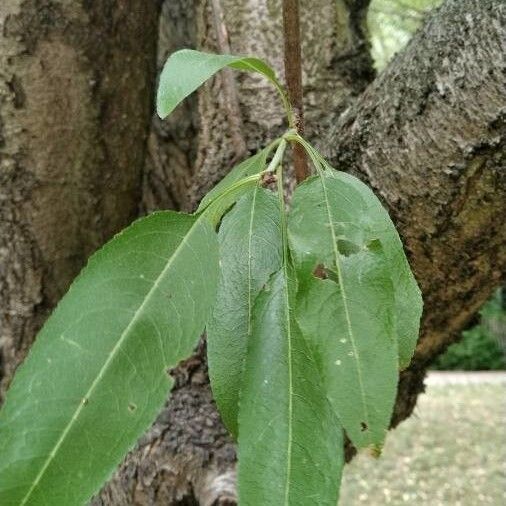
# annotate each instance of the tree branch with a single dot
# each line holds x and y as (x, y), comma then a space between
(429, 135)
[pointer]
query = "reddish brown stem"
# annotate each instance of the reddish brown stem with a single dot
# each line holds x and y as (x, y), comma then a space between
(293, 76)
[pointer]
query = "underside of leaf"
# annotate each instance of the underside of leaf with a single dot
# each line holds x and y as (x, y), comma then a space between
(187, 69)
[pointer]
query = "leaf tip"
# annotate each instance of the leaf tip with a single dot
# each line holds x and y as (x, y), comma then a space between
(375, 451)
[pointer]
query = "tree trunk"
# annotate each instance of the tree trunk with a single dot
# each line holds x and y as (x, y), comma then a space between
(428, 135)
(75, 101)
(421, 135)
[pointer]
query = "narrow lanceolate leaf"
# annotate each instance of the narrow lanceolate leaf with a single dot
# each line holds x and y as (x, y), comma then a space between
(249, 167)
(187, 69)
(408, 298)
(346, 304)
(290, 443)
(250, 251)
(98, 372)
(349, 324)
(376, 223)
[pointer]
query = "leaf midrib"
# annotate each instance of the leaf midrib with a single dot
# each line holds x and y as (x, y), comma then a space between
(284, 241)
(356, 354)
(290, 383)
(250, 233)
(104, 368)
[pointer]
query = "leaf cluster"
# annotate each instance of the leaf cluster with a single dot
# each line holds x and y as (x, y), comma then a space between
(310, 313)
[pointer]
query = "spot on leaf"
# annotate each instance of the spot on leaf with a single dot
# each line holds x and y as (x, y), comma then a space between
(320, 272)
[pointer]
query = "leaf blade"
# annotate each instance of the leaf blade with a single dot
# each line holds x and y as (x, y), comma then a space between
(290, 444)
(250, 251)
(127, 340)
(408, 297)
(354, 346)
(359, 374)
(187, 69)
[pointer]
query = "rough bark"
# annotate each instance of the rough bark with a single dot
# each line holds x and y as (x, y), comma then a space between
(75, 102)
(428, 135)
(172, 143)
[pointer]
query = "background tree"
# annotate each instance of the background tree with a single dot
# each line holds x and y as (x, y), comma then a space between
(81, 156)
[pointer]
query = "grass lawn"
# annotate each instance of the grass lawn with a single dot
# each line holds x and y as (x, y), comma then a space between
(451, 452)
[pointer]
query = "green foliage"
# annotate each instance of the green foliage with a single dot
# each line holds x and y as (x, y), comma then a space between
(97, 374)
(187, 70)
(250, 251)
(358, 220)
(350, 316)
(309, 315)
(480, 347)
(290, 444)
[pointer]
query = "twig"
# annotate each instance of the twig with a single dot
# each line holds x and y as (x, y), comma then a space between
(293, 76)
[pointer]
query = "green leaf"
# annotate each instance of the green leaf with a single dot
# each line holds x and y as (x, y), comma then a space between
(290, 443)
(97, 374)
(408, 298)
(346, 303)
(351, 332)
(249, 167)
(186, 70)
(250, 251)
(376, 223)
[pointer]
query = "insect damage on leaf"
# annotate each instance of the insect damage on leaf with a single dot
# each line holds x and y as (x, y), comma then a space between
(320, 272)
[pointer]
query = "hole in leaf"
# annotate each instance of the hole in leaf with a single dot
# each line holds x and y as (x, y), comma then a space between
(347, 248)
(374, 245)
(269, 178)
(132, 407)
(320, 272)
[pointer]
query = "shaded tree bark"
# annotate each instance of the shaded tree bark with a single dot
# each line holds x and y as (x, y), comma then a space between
(196, 146)
(75, 101)
(428, 135)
